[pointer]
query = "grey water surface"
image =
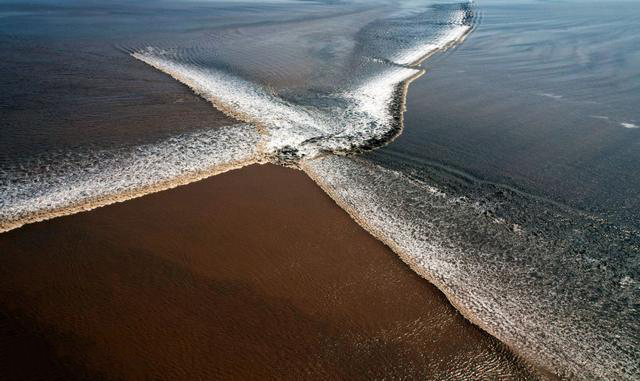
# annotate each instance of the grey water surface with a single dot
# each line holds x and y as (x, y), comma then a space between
(513, 183)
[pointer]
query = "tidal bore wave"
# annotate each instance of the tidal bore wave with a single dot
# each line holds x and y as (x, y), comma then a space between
(551, 290)
(365, 114)
(542, 291)
(62, 183)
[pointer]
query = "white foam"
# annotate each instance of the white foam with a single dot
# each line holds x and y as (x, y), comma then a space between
(372, 98)
(447, 37)
(84, 180)
(489, 270)
(367, 112)
(240, 99)
(365, 115)
(629, 125)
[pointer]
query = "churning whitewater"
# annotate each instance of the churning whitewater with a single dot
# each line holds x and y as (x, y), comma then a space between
(364, 114)
(540, 284)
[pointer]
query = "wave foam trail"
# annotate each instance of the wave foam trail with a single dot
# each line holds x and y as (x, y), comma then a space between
(236, 97)
(558, 295)
(353, 120)
(447, 37)
(363, 114)
(542, 294)
(63, 183)
(411, 35)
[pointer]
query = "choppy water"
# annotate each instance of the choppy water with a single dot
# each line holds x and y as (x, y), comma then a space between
(513, 186)
(352, 101)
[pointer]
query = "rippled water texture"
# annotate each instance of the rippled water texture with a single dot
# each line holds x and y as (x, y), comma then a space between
(353, 103)
(527, 124)
(512, 183)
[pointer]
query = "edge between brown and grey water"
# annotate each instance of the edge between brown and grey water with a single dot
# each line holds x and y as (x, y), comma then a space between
(51, 324)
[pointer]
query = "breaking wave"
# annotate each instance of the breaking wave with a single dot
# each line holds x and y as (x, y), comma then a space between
(364, 114)
(551, 290)
(505, 276)
(350, 120)
(62, 183)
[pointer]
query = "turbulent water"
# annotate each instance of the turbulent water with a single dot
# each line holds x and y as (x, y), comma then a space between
(312, 85)
(294, 120)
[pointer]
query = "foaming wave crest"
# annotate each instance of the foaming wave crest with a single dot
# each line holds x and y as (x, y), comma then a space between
(361, 113)
(62, 183)
(412, 34)
(341, 122)
(557, 295)
(553, 297)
